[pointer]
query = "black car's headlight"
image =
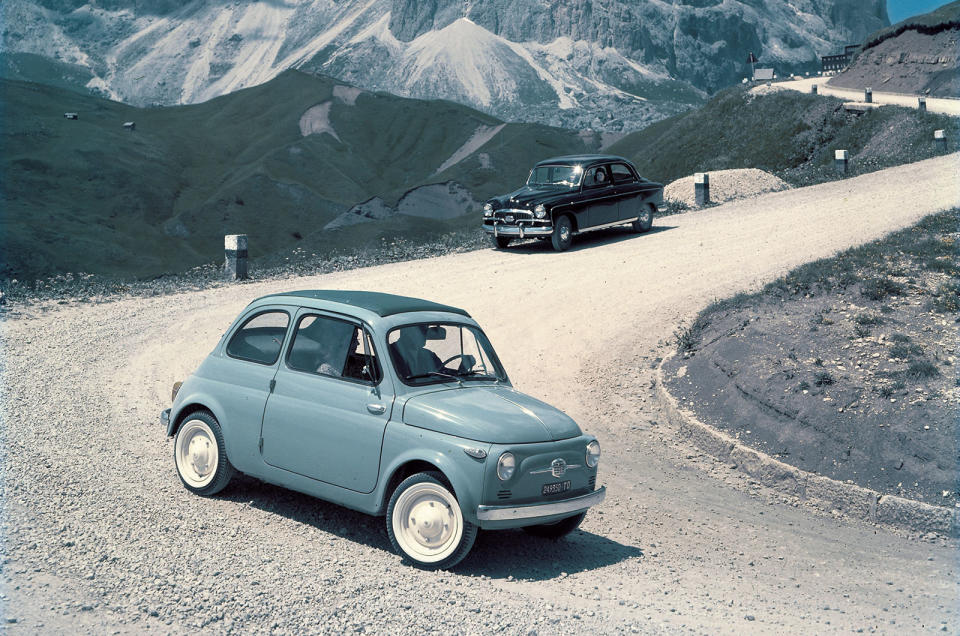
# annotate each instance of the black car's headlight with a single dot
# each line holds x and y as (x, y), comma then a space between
(487, 210)
(540, 211)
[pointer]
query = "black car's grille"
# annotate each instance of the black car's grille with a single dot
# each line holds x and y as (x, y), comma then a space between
(518, 215)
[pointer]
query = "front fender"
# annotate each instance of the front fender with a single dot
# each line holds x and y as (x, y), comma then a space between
(403, 445)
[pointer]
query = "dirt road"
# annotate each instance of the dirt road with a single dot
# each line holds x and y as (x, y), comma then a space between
(934, 104)
(99, 536)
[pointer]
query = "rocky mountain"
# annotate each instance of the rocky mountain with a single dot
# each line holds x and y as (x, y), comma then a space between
(602, 64)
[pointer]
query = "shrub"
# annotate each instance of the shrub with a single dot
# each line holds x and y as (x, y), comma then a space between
(922, 369)
(946, 299)
(880, 288)
(868, 319)
(822, 378)
(900, 337)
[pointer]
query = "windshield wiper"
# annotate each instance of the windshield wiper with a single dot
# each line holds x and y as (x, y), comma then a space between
(478, 375)
(428, 374)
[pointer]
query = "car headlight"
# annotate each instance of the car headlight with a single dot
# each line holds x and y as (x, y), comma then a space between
(506, 466)
(593, 454)
(487, 210)
(540, 211)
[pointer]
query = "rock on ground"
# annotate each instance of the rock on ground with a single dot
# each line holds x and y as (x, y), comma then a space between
(726, 185)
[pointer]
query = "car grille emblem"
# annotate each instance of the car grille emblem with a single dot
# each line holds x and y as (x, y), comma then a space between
(558, 467)
(509, 218)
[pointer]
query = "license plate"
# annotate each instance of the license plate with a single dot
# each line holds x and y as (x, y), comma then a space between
(556, 488)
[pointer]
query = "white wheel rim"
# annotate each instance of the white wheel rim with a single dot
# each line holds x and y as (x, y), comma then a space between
(197, 453)
(427, 522)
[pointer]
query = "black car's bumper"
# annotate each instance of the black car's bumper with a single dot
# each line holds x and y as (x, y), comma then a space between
(519, 230)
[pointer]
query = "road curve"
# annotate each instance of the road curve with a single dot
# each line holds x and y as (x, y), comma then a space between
(98, 534)
(943, 105)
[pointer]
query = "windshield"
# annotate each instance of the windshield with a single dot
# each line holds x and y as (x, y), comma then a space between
(555, 175)
(430, 353)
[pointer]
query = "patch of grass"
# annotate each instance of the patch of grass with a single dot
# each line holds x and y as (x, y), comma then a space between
(881, 287)
(946, 299)
(900, 337)
(822, 378)
(820, 319)
(922, 370)
(868, 319)
(861, 331)
(688, 338)
(804, 386)
(817, 362)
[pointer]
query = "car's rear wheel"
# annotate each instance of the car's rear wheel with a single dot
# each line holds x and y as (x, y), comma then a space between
(557, 529)
(200, 455)
(562, 235)
(499, 242)
(425, 524)
(645, 219)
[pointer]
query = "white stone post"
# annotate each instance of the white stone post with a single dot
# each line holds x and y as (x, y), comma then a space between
(701, 188)
(840, 160)
(940, 140)
(235, 251)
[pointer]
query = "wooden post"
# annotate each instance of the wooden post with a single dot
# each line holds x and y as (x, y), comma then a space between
(868, 95)
(701, 188)
(235, 250)
(840, 160)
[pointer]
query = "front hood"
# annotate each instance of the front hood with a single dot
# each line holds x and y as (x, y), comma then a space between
(495, 414)
(528, 196)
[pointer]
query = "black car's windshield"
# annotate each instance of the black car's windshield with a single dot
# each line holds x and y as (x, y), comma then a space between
(430, 353)
(568, 176)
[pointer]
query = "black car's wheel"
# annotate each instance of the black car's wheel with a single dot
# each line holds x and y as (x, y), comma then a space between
(425, 524)
(562, 235)
(200, 455)
(499, 242)
(645, 219)
(557, 529)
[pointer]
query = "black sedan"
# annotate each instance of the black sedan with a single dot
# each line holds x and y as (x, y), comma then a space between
(568, 195)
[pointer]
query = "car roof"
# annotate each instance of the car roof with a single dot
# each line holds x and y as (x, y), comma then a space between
(375, 302)
(582, 160)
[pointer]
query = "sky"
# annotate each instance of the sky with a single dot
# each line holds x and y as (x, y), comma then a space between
(901, 9)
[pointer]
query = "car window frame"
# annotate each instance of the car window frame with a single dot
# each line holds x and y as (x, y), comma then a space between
(365, 330)
(583, 179)
(634, 177)
(252, 315)
(441, 379)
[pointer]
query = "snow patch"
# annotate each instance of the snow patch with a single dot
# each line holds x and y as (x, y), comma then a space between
(477, 140)
(316, 120)
(370, 210)
(347, 94)
(438, 201)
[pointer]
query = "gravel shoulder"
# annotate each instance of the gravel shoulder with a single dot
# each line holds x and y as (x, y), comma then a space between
(99, 535)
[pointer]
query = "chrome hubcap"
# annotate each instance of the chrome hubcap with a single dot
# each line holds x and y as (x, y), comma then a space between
(427, 522)
(197, 454)
(564, 233)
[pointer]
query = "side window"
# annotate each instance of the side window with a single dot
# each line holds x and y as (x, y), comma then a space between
(596, 178)
(260, 338)
(332, 347)
(621, 173)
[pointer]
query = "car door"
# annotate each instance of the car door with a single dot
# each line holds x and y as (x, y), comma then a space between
(600, 196)
(625, 184)
(330, 405)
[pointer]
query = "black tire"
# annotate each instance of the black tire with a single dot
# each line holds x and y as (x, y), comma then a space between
(645, 219)
(558, 529)
(562, 236)
(200, 455)
(499, 242)
(424, 492)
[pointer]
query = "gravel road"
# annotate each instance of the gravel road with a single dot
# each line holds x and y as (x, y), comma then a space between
(99, 536)
(934, 104)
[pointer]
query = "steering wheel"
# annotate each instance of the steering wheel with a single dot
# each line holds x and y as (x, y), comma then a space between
(451, 359)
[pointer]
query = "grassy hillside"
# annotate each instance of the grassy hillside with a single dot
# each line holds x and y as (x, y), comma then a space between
(788, 133)
(88, 195)
(946, 17)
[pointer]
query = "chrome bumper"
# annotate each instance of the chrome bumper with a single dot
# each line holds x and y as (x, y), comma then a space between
(519, 231)
(533, 511)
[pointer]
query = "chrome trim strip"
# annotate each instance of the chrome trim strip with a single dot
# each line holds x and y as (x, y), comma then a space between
(576, 504)
(605, 225)
(513, 230)
(550, 470)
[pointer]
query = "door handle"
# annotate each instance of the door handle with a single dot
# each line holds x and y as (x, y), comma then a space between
(376, 409)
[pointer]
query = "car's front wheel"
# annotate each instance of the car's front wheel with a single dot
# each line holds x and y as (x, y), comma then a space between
(200, 455)
(562, 235)
(645, 219)
(425, 524)
(557, 529)
(499, 242)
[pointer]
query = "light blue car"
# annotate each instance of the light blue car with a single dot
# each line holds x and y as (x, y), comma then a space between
(388, 405)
